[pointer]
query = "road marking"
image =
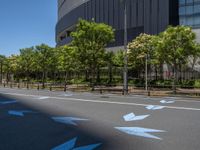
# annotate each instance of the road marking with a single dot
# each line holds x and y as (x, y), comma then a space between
(67, 94)
(19, 113)
(138, 131)
(8, 102)
(177, 99)
(133, 117)
(68, 120)
(43, 97)
(152, 107)
(105, 102)
(69, 145)
(167, 102)
(66, 146)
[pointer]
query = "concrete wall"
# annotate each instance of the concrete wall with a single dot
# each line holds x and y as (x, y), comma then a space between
(197, 31)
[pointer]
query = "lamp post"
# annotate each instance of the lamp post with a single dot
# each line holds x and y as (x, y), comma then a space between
(125, 72)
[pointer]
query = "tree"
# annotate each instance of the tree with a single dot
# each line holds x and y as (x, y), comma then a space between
(141, 49)
(26, 61)
(44, 60)
(67, 60)
(90, 39)
(10, 66)
(177, 44)
(118, 58)
(2, 60)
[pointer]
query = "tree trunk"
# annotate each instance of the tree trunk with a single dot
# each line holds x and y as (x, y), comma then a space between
(174, 78)
(156, 71)
(98, 80)
(110, 74)
(86, 75)
(27, 82)
(43, 79)
(65, 86)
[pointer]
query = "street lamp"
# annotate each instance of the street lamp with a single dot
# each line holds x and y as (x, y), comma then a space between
(125, 72)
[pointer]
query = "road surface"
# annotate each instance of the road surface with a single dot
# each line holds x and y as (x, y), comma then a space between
(43, 120)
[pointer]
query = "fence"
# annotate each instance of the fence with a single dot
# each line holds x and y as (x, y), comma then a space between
(111, 80)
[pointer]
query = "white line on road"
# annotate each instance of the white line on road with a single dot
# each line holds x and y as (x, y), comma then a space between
(176, 99)
(105, 102)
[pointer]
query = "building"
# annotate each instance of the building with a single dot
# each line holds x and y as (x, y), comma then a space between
(143, 16)
(189, 14)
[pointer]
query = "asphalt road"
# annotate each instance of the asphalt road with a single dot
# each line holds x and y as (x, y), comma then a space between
(43, 120)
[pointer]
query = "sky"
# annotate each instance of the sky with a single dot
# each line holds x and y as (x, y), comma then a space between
(26, 23)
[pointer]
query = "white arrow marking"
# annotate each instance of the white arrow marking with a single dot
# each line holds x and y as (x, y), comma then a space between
(44, 97)
(68, 120)
(138, 131)
(19, 113)
(152, 107)
(8, 102)
(67, 94)
(166, 102)
(133, 117)
(69, 145)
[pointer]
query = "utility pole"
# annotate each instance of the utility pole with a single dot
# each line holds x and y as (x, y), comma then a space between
(125, 88)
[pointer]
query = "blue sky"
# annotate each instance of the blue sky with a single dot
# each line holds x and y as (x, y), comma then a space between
(25, 23)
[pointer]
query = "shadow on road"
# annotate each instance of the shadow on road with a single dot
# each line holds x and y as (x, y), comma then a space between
(37, 131)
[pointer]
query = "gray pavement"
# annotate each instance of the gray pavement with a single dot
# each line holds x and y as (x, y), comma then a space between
(94, 121)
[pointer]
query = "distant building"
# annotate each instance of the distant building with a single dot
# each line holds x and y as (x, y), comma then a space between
(189, 14)
(149, 16)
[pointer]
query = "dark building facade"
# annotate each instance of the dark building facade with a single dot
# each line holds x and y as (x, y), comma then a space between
(143, 16)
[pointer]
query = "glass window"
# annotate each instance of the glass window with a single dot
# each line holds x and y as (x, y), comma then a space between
(182, 10)
(181, 2)
(189, 10)
(189, 21)
(197, 20)
(197, 8)
(189, 1)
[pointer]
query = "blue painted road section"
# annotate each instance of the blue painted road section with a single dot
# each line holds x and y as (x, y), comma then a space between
(69, 145)
(152, 107)
(68, 120)
(7, 102)
(167, 102)
(133, 117)
(19, 113)
(142, 132)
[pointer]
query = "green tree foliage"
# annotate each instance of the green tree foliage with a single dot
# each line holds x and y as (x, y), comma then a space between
(90, 39)
(67, 60)
(44, 60)
(141, 47)
(2, 60)
(26, 61)
(118, 58)
(175, 47)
